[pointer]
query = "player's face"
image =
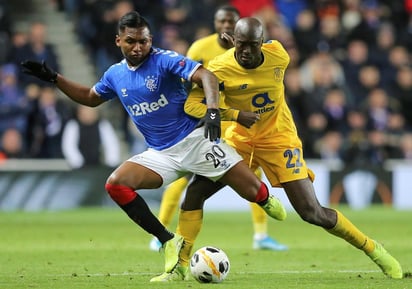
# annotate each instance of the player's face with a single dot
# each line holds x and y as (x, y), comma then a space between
(225, 21)
(135, 44)
(248, 50)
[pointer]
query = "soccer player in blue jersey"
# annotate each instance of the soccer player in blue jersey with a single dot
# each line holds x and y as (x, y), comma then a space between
(148, 84)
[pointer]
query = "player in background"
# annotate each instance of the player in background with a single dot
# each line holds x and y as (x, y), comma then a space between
(251, 79)
(148, 84)
(204, 50)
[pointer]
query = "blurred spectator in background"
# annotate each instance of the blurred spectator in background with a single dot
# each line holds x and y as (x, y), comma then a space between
(335, 108)
(14, 106)
(18, 40)
(295, 96)
(320, 73)
(401, 89)
(357, 55)
(306, 33)
(37, 48)
(350, 15)
(89, 140)
(106, 52)
(47, 122)
(368, 79)
(379, 53)
(330, 147)
(11, 145)
(6, 31)
(332, 39)
(357, 149)
(367, 28)
(383, 119)
(378, 108)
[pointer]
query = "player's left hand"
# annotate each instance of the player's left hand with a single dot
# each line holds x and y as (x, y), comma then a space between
(211, 121)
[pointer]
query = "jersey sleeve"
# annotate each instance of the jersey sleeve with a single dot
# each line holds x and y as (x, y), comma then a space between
(195, 103)
(276, 48)
(104, 87)
(178, 64)
(193, 52)
(195, 106)
(229, 114)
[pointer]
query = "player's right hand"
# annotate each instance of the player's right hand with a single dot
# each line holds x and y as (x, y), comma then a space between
(40, 70)
(247, 118)
(228, 37)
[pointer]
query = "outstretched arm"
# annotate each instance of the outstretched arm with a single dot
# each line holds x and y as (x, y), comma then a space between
(78, 93)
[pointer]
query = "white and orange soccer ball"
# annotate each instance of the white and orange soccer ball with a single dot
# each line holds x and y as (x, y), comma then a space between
(209, 265)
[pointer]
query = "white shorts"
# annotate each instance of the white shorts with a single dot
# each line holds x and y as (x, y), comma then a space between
(195, 154)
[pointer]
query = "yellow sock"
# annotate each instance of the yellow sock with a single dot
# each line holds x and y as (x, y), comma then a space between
(347, 231)
(190, 223)
(170, 200)
(259, 219)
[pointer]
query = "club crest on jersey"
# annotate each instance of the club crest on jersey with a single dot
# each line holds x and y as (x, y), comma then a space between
(151, 82)
(124, 92)
(182, 62)
(278, 73)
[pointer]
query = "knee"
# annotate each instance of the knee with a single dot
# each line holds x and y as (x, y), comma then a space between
(120, 194)
(314, 216)
(114, 179)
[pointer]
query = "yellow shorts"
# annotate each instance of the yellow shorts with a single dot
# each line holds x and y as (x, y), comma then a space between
(279, 165)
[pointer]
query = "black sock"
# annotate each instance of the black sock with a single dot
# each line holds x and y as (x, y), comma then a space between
(262, 203)
(140, 213)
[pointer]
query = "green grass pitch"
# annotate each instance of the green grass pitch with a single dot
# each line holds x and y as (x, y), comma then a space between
(97, 248)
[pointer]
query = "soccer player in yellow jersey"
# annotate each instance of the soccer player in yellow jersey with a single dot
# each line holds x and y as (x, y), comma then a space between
(251, 79)
(204, 50)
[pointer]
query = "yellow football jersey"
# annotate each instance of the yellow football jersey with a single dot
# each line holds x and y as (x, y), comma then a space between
(205, 49)
(260, 90)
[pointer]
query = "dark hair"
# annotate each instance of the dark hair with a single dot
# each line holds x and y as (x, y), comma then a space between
(132, 19)
(229, 8)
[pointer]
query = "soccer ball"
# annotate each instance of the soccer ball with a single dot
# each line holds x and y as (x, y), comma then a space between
(209, 265)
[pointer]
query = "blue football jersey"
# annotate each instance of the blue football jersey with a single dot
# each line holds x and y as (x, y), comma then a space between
(153, 95)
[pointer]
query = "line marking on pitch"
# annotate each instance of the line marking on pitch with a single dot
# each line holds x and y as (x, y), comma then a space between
(235, 273)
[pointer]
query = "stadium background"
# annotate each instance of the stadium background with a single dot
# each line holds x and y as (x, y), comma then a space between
(35, 183)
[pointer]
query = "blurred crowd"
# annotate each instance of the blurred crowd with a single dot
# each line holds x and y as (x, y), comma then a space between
(349, 82)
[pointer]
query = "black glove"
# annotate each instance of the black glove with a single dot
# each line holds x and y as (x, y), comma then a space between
(40, 70)
(211, 121)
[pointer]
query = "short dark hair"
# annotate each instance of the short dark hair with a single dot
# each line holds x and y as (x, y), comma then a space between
(132, 19)
(229, 8)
